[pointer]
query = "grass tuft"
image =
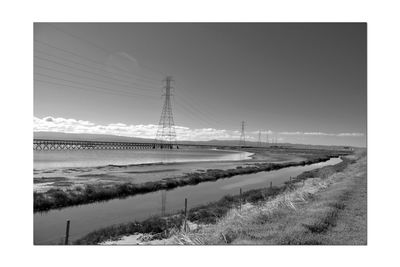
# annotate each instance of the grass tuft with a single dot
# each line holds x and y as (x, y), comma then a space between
(57, 198)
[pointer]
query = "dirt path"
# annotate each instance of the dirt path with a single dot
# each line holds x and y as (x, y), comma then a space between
(335, 216)
(351, 225)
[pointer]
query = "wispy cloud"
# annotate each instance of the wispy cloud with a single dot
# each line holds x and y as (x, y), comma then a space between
(144, 131)
(262, 132)
(351, 134)
(323, 134)
(291, 133)
(52, 124)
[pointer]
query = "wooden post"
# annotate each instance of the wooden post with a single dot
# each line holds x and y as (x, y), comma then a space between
(240, 200)
(270, 184)
(185, 215)
(67, 233)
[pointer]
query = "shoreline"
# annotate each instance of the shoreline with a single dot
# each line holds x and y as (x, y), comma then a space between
(57, 198)
(249, 156)
(65, 178)
(162, 228)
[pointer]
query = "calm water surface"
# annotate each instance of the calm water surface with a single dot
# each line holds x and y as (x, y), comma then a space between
(49, 227)
(92, 158)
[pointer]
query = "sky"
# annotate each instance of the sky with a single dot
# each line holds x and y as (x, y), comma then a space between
(297, 82)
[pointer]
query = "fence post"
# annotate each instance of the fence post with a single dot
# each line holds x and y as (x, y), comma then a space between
(185, 215)
(67, 233)
(163, 202)
(240, 200)
(270, 184)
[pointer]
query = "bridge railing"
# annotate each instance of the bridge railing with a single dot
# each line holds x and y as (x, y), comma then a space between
(45, 144)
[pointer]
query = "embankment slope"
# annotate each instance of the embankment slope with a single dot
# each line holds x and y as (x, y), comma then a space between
(324, 206)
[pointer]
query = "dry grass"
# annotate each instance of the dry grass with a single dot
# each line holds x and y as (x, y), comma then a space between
(320, 211)
(58, 198)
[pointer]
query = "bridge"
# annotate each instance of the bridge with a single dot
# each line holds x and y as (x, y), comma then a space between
(46, 144)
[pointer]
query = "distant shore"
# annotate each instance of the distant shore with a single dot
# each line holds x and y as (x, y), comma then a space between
(215, 223)
(58, 198)
(67, 177)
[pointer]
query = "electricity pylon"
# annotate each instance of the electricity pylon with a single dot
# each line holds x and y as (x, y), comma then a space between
(166, 135)
(242, 141)
(259, 139)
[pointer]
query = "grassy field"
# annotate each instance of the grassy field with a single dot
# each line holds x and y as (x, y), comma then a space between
(260, 220)
(329, 209)
(58, 198)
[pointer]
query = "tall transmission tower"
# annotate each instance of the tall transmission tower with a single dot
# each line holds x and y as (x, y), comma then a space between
(242, 141)
(267, 139)
(166, 134)
(259, 139)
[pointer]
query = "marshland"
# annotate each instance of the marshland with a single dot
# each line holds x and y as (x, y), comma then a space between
(96, 205)
(323, 206)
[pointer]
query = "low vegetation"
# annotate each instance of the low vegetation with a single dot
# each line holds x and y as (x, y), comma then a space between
(157, 226)
(161, 227)
(321, 211)
(212, 213)
(58, 198)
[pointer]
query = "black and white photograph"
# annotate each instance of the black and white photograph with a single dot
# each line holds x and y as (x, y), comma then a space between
(200, 134)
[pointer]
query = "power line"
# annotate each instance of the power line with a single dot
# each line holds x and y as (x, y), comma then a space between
(198, 112)
(83, 84)
(95, 45)
(201, 111)
(191, 113)
(187, 107)
(78, 63)
(89, 78)
(91, 89)
(74, 68)
(91, 60)
(191, 102)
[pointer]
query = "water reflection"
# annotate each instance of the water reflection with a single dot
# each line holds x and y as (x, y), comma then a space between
(49, 227)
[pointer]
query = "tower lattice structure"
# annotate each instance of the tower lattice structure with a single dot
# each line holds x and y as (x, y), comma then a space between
(259, 143)
(166, 135)
(242, 141)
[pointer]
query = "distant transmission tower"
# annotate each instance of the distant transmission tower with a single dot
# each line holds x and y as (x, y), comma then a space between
(166, 134)
(259, 139)
(242, 141)
(267, 140)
